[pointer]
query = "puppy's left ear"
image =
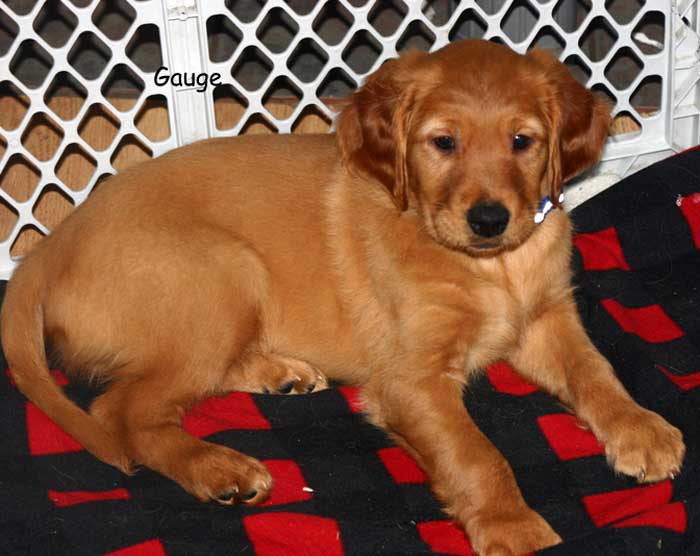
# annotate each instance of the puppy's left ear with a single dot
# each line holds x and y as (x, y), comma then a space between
(579, 120)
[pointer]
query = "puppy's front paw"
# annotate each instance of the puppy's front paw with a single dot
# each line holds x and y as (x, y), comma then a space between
(642, 444)
(510, 533)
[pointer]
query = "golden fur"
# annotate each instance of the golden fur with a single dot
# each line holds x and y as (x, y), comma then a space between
(252, 263)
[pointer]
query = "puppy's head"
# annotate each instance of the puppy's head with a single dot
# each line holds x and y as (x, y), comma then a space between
(473, 137)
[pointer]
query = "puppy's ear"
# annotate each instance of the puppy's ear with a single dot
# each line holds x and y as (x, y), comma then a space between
(372, 131)
(579, 121)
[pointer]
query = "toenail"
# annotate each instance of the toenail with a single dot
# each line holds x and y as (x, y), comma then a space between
(249, 495)
(227, 496)
(286, 388)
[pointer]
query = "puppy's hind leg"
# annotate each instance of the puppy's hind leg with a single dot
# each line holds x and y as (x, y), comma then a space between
(164, 376)
(146, 415)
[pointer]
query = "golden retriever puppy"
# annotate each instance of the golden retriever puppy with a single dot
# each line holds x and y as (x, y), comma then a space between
(402, 254)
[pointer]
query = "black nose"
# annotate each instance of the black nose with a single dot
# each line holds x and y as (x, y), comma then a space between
(488, 219)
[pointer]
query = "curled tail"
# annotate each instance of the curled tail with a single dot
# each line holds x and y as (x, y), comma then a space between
(22, 329)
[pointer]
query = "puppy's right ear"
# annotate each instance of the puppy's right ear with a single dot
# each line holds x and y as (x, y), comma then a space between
(372, 130)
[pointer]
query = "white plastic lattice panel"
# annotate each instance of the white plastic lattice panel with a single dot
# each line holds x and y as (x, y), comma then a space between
(76, 95)
(284, 67)
(685, 103)
(311, 52)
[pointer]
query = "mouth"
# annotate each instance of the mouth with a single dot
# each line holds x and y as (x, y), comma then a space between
(483, 245)
(479, 248)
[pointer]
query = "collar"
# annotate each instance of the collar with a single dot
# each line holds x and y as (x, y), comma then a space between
(545, 207)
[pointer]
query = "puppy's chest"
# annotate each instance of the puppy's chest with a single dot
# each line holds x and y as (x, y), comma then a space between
(509, 300)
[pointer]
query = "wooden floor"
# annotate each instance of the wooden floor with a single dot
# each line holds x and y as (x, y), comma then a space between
(75, 167)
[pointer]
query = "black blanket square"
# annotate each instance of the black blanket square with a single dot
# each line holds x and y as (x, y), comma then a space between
(343, 489)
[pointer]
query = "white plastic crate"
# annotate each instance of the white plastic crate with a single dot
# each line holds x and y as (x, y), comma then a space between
(284, 62)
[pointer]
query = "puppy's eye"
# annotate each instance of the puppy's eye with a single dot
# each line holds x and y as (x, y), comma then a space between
(445, 143)
(521, 142)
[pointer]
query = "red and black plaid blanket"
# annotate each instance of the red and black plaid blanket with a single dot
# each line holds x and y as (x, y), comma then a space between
(342, 488)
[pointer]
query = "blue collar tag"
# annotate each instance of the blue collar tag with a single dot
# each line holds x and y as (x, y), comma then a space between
(545, 207)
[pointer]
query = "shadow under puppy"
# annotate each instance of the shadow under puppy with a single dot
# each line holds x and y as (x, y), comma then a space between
(402, 254)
